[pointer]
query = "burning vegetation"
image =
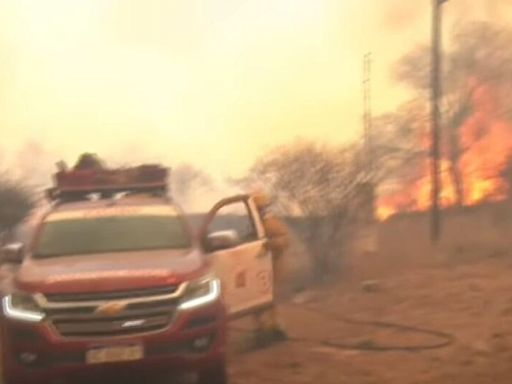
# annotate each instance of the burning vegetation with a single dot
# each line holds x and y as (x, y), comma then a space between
(477, 125)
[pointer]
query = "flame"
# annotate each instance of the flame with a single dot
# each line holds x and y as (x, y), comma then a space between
(486, 140)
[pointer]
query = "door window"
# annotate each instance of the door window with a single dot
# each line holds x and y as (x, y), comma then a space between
(235, 216)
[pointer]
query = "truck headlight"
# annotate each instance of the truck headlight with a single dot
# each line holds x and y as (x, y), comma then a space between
(200, 292)
(22, 306)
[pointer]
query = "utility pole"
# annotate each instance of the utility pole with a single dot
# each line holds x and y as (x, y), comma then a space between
(367, 118)
(368, 186)
(437, 13)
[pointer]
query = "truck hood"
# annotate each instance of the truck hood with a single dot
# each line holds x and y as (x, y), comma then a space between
(109, 272)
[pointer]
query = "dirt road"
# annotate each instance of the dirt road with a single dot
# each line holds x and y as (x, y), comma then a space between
(472, 302)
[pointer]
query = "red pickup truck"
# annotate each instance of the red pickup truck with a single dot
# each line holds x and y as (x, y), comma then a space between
(115, 281)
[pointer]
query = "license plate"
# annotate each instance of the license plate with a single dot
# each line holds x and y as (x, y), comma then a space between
(114, 354)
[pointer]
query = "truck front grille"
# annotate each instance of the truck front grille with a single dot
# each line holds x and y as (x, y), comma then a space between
(83, 317)
(112, 326)
(119, 295)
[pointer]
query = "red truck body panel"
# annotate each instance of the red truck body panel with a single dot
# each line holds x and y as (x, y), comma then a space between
(110, 272)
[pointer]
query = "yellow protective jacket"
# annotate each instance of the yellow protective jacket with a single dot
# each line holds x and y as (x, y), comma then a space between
(277, 235)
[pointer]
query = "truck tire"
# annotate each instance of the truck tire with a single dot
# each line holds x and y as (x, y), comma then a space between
(214, 375)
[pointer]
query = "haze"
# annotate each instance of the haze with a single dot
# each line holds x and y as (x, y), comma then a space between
(212, 82)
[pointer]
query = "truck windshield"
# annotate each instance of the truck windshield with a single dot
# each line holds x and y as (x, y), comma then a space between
(110, 234)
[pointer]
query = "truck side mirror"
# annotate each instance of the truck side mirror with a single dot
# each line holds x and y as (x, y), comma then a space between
(12, 253)
(220, 240)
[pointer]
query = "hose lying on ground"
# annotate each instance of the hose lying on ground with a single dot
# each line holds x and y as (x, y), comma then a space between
(444, 339)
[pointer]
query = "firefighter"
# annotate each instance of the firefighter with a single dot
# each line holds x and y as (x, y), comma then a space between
(268, 327)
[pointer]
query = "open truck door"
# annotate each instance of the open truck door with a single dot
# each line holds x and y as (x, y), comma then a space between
(234, 238)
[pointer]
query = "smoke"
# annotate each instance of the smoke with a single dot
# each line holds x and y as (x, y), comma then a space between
(397, 15)
(201, 198)
(31, 164)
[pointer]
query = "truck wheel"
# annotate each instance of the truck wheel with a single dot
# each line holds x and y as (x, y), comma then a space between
(215, 375)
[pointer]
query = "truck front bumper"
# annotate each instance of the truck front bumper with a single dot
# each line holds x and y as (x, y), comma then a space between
(35, 353)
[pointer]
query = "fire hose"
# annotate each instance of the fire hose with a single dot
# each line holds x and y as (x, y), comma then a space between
(443, 339)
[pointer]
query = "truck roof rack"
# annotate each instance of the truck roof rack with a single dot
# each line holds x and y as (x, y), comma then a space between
(79, 184)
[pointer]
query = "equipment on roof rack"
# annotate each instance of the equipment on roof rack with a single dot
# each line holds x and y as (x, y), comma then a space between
(81, 181)
(89, 161)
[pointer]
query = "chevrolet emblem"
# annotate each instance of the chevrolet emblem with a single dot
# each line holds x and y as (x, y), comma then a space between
(111, 309)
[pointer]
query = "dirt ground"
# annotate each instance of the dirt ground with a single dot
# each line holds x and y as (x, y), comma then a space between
(471, 301)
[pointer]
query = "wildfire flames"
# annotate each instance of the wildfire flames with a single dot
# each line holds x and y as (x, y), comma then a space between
(486, 142)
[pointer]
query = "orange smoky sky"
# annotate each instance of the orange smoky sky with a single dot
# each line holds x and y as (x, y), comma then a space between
(211, 82)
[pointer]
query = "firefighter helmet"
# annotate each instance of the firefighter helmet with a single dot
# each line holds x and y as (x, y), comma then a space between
(261, 199)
